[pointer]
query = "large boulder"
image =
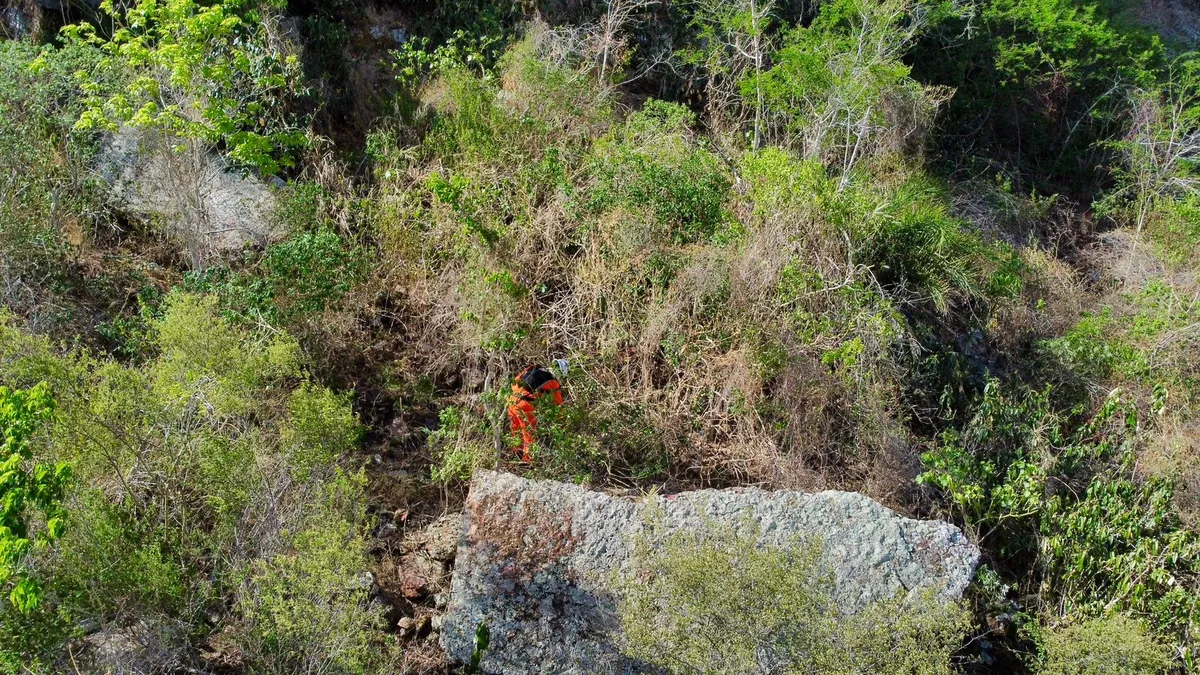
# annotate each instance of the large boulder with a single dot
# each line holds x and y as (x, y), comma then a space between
(537, 561)
(187, 192)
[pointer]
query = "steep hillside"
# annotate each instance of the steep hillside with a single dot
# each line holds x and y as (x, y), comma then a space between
(270, 268)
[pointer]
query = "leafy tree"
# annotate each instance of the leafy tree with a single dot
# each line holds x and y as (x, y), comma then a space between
(732, 42)
(205, 71)
(194, 470)
(839, 89)
(25, 488)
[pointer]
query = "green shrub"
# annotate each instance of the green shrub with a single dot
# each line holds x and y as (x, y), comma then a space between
(917, 249)
(474, 126)
(460, 443)
(204, 357)
(420, 59)
(1111, 645)
(490, 24)
(493, 310)
(568, 440)
(720, 602)
(656, 164)
(901, 227)
(474, 207)
(308, 609)
(309, 272)
(1106, 540)
(1093, 350)
(1141, 338)
(921, 245)
(320, 429)
(116, 565)
(572, 105)
(172, 454)
(46, 192)
(29, 641)
(1177, 229)
(303, 207)
(293, 281)
(838, 90)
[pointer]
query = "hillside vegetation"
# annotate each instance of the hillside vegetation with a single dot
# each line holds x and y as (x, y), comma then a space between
(941, 252)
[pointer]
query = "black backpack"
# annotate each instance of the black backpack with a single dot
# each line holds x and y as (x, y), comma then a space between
(534, 378)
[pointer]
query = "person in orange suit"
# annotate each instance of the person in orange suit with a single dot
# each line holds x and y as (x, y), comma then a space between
(529, 386)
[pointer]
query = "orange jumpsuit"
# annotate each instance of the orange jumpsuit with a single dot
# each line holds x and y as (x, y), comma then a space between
(521, 410)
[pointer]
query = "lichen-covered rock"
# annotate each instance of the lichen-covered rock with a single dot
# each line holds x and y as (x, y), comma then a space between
(537, 561)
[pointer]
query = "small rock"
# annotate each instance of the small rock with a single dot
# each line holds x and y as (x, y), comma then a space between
(289, 28)
(435, 623)
(985, 652)
(441, 538)
(378, 459)
(365, 581)
(999, 624)
(383, 605)
(143, 647)
(399, 427)
(419, 576)
(422, 625)
(441, 600)
(116, 645)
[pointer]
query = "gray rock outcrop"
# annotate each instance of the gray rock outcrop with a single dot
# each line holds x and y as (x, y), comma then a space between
(537, 561)
(17, 24)
(187, 193)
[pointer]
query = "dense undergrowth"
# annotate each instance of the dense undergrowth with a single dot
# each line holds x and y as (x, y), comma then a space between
(941, 253)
